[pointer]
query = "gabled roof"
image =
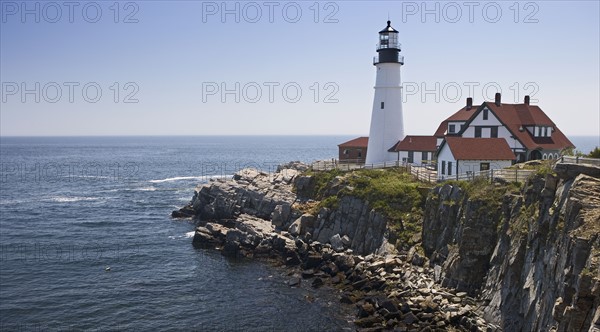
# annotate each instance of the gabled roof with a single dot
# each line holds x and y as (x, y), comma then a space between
(478, 148)
(463, 114)
(415, 143)
(518, 116)
(515, 117)
(359, 142)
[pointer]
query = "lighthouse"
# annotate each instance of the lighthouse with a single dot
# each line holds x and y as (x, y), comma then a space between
(387, 125)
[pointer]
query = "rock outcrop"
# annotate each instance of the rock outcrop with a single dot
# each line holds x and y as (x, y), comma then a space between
(533, 257)
(271, 196)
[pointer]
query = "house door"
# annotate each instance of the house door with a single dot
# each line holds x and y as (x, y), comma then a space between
(535, 155)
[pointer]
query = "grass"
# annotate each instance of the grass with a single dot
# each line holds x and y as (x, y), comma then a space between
(391, 192)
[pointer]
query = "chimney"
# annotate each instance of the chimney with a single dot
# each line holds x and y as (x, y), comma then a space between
(497, 101)
(526, 100)
(469, 103)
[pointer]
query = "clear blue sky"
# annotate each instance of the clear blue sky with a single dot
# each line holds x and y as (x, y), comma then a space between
(175, 54)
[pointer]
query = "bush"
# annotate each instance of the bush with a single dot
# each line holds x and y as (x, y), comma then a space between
(594, 153)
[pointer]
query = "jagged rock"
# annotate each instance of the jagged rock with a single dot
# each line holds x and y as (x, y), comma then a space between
(280, 214)
(410, 318)
(569, 171)
(317, 282)
(530, 259)
(336, 243)
(185, 212)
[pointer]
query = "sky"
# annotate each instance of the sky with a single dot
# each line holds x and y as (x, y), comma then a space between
(286, 68)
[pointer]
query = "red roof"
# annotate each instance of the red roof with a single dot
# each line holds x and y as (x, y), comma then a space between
(360, 142)
(462, 115)
(515, 116)
(479, 148)
(416, 143)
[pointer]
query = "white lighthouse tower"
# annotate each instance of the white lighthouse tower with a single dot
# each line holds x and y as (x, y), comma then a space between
(387, 125)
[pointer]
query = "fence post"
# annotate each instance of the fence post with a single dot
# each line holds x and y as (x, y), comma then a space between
(491, 175)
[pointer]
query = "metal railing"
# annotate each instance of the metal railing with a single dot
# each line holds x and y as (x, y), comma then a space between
(400, 59)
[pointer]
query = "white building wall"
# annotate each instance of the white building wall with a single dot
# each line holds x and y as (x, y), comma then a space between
(444, 157)
(387, 125)
(474, 166)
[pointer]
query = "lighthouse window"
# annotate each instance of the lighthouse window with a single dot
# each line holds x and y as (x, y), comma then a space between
(381, 105)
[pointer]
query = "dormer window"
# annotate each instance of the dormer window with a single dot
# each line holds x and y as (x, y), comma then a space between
(451, 129)
(485, 114)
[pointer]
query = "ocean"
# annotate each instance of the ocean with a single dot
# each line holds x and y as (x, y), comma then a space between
(71, 207)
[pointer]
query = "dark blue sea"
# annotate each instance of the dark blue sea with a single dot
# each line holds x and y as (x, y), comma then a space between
(71, 207)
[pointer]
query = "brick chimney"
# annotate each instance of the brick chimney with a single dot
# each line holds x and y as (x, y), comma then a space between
(498, 99)
(526, 100)
(469, 103)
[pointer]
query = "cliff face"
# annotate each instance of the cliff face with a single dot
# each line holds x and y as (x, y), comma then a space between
(531, 256)
(351, 224)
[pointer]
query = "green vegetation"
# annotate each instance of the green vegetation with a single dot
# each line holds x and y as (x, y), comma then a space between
(391, 192)
(321, 181)
(576, 153)
(394, 193)
(594, 153)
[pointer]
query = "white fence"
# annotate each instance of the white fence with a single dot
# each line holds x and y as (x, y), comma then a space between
(580, 160)
(428, 173)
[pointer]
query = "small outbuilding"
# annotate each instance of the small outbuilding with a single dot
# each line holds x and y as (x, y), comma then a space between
(416, 149)
(353, 151)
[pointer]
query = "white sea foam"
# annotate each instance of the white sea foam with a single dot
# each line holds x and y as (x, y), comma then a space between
(67, 199)
(190, 234)
(145, 189)
(197, 178)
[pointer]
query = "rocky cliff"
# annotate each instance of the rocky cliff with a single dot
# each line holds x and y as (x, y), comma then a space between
(492, 256)
(532, 255)
(340, 241)
(278, 198)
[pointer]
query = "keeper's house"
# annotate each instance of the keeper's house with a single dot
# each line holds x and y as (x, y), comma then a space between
(527, 130)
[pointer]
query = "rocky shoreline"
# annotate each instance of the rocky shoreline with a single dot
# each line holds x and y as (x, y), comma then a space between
(255, 215)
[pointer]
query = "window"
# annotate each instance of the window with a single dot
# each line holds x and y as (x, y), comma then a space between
(494, 132)
(462, 127)
(443, 167)
(544, 131)
(411, 157)
(449, 168)
(381, 105)
(346, 151)
(359, 153)
(484, 166)
(477, 131)
(485, 114)
(423, 157)
(451, 129)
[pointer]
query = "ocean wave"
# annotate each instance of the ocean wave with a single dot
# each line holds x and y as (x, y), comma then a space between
(70, 199)
(185, 178)
(145, 189)
(187, 235)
